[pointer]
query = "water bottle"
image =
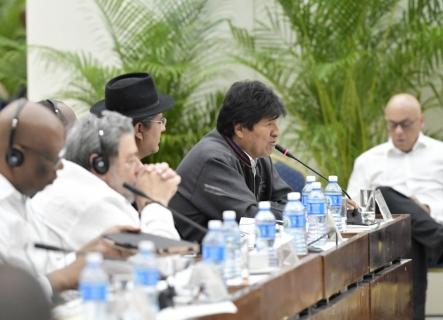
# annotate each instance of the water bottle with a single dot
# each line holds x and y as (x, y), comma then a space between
(93, 287)
(334, 195)
(146, 273)
(317, 206)
(265, 230)
(306, 190)
(233, 243)
(295, 223)
(213, 246)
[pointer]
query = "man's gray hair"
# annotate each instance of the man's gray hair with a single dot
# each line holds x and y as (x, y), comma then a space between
(84, 139)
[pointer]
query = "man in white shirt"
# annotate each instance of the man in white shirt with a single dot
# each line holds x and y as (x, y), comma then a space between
(88, 196)
(31, 138)
(409, 162)
(408, 169)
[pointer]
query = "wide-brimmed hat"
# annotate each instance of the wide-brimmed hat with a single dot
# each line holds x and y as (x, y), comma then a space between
(133, 95)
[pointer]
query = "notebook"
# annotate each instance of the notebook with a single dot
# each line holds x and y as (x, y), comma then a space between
(163, 245)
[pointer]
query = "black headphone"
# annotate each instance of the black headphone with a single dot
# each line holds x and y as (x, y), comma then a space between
(99, 162)
(54, 107)
(14, 156)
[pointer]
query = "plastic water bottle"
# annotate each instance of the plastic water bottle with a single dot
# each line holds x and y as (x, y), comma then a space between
(317, 206)
(265, 230)
(295, 223)
(93, 286)
(146, 273)
(306, 190)
(213, 246)
(233, 243)
(334, 195)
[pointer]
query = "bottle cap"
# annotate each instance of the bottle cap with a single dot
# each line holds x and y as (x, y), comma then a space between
(294, 196)
(264, 205)
(214, 224)
(146, 246)
(310, 178)
(94, 258)
(332, 178)
(229, 215)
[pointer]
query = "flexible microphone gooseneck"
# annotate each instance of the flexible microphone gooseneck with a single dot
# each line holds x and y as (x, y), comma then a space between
(286, 153)
(176, 214)
(48, 247)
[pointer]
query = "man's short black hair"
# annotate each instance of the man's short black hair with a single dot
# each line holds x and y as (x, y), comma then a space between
(247, 103)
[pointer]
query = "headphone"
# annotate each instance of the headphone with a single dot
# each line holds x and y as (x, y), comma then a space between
(99, 162)
(14, 156)
(54, 107)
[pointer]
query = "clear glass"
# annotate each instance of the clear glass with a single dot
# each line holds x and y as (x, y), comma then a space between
(367, 203)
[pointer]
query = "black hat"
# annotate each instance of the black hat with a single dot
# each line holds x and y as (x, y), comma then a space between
(133, 95)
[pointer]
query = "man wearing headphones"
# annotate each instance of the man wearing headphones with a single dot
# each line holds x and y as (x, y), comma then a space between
(88, 196)
(31, 138)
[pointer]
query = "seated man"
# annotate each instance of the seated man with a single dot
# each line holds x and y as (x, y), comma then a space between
(88, 196)
(409, 162)
(230, 167)
(31, 138)
(408, 169)
(134, 95)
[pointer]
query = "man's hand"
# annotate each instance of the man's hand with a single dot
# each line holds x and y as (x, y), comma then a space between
(158, 181)
(67, 277)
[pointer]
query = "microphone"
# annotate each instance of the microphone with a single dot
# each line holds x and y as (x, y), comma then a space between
(175, 213)
(286, 153)
(48, 247)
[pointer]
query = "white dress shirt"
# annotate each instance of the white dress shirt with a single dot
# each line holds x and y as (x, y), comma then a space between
(19, 229)
(418, 173)
(79, 206)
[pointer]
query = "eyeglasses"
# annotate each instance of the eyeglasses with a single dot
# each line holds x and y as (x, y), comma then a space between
(162, 121)
(404, 125)
(56, 162)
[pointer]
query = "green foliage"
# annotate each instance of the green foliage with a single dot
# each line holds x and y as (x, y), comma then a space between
(176, 42)
(12, 47)
(335, 64)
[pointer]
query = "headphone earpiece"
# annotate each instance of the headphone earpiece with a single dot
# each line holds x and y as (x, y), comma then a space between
(99, 162)
(14, 156)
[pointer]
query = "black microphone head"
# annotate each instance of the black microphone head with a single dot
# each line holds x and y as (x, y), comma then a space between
(280, 148)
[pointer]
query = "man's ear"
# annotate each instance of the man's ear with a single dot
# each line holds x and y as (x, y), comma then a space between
(138, 130)
(239, 130)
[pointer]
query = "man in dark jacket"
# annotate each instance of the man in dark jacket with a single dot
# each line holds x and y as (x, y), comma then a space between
(230, 168)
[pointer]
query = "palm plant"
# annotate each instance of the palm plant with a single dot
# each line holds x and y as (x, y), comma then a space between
(335, 63)
(12, 48)
(175, 41)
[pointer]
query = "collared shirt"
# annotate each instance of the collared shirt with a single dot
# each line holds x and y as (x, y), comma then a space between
(418, 173)
(79, 207)
(19, 229)
(253, 163)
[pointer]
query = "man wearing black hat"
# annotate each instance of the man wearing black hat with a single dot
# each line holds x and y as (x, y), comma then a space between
(135, 96)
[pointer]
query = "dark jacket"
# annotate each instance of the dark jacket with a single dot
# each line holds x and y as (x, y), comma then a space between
(213, 165)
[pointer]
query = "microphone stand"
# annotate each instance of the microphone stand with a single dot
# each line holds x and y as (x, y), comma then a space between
(286, 153)
(175, 213)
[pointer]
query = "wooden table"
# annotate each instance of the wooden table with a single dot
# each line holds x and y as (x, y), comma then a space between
(362, 278)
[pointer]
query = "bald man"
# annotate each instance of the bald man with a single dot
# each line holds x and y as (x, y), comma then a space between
(31, 138)
(409, 162)
(408, 169)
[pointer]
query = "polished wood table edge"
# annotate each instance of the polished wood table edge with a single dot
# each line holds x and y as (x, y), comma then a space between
(270, 298)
